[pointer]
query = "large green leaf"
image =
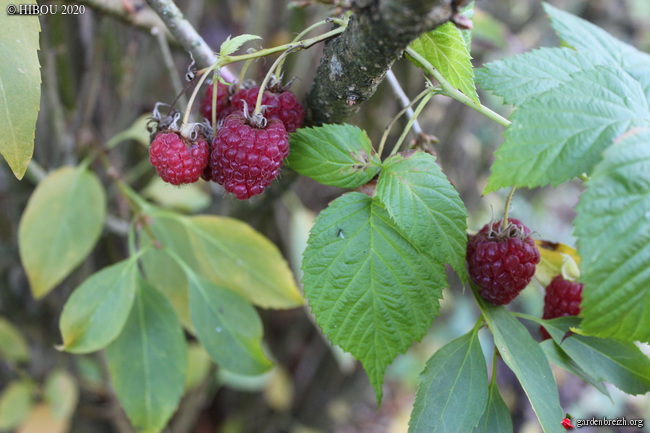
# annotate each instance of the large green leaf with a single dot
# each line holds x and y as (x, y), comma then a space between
(231, 254)
(528, 362)
(13, 346)
(528, 75)
(563, 132)
(425, 206)
(445, 48)
(620, 363)
(453, 390)
(337, 155)
(600, 45)
(614, 242)
(496, 418)
(228, 327)
(96, 312)
(20, 86)
(373, 292)
(147, 361)
(60, 226)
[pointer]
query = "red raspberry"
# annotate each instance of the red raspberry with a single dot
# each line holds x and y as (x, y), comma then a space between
(177, 159)
(245, 159)
(282, 106)
(562, 298)
(224, 108)
(502, 262)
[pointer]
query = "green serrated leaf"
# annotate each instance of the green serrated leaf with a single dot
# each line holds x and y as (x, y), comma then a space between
(336, 155)
(13, 346)
(228, 327)
(231, 254)
(598, 44)
(229, 46)
(20, 87)
(557, 356)
(425, 206)
(147, 362)
(496, 417)
(446, 49)
(16, 402)
(96, 312)
(620, 363)
(528, 362)
(61, 394)
(453, 390)
(563, 132)
(60, 226)
(373, 292)
(614, 242)
(525, 76)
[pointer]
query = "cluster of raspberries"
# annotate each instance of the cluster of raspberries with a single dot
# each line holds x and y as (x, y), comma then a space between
(244, 155)
(501, 260)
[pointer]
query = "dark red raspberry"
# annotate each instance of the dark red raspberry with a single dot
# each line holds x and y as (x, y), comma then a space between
(178, 160)
(281, 106)
(502, 262)
(224, 107)
(562, 298)
(245, 159)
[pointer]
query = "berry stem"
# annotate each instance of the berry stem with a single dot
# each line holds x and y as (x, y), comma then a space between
(384, 137)
(300, 36)
(456, 94)
(269, 74)
(504, 221)
(404, 100)
(204, 74)
(417, 112)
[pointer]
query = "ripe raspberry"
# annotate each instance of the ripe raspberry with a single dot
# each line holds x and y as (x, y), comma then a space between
(562, 298)
(224, 107)
(245, 159)
(178, 160)
(502, 263)
(282, 106)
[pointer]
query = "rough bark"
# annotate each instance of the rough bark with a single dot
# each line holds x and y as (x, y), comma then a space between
(356, 62)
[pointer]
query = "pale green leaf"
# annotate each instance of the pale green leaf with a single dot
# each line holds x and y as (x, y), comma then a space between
(60, 226)
(229, 46)
(613, 230)
(97, 310)
(453, 390)
(528, 362)
(20, 86)
(228, 327)
(336, 155)
(496, 418)
(147, 362)
(596, 43)
(562, 133)
(445, 48)
(61, 393)
(198, 366)
(620, 363)
(190, 198)
(528, 75)
(16, 401)
(231, 254)
(428, 209)
(13, 346)
(373, 292)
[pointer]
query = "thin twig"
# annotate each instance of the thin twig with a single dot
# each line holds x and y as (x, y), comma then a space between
(403, 99)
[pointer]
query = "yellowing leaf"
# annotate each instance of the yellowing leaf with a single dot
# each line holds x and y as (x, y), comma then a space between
(60, 226)
(556, 259)
(20, 87)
